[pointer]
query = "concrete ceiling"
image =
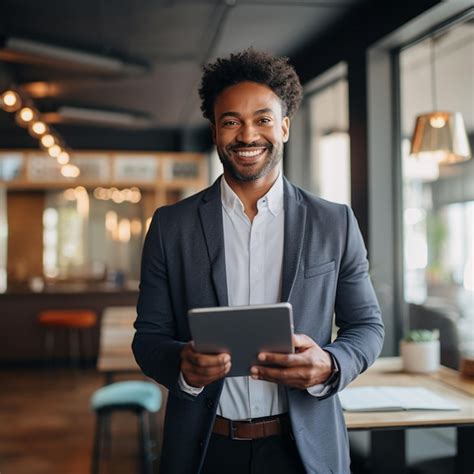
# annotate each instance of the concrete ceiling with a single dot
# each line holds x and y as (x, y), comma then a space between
(173, 38)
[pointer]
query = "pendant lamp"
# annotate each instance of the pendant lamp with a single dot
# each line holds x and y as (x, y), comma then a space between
(439, 135)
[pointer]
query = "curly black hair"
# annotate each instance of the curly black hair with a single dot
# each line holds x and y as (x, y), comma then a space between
(255, 66)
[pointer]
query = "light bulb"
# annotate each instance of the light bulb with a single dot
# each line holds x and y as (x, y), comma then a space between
(54, 151)
(438, 121)
(70, 171)
(10, 101)
(38, 128)
(63, 158)
(47, 140)
(26, 114)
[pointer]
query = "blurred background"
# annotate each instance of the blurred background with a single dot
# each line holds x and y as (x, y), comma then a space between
(100, 124)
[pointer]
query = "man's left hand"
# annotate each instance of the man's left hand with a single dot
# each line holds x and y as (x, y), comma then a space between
(309, 365)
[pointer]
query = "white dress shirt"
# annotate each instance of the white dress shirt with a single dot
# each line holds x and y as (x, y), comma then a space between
(253, 261)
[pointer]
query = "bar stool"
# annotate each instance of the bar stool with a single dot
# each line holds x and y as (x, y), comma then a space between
(75, 321)
(143, 399)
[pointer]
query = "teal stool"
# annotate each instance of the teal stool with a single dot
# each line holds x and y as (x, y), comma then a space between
(142, 398)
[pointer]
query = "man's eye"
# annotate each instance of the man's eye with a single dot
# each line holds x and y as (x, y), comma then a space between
(265, 121)
(229, 123)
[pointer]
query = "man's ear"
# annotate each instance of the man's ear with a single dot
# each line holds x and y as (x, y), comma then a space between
(285, 126)
(213, 131)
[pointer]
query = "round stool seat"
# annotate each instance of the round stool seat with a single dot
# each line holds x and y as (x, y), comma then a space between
(142, 394)
(69, 318)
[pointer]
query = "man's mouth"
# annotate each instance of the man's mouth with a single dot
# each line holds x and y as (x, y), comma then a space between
(249, 154)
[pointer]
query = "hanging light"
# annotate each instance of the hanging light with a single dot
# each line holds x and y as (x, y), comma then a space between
(47, 140)
(63, 158)
(37, 129)
(10, 101)
(25, 116)
(439, 135)
(54, 151)
(70, 171)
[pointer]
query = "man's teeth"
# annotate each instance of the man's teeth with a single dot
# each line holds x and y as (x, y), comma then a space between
(250, 154)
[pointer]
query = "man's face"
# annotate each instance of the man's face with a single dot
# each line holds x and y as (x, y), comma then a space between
(249, 131)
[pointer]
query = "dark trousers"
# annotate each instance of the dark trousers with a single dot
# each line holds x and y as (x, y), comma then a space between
(271, 455)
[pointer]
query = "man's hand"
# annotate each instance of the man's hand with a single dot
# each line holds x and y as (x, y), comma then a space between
(310, 365)
(202, 369)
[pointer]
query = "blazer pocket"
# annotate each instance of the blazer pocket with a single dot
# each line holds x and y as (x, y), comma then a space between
(320, 269)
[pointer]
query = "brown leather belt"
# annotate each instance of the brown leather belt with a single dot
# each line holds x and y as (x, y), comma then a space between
(257, 428)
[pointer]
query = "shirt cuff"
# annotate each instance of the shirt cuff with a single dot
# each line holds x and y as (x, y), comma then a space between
(322, 389)
(185, 387)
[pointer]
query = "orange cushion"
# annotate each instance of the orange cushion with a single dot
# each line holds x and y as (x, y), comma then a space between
(70, 318)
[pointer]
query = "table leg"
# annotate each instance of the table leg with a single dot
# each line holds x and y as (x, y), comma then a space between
(387, 451)
(465, 451)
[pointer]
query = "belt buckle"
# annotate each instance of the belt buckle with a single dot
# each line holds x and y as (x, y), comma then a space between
(233, 429)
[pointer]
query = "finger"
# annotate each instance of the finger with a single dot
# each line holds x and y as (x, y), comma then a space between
(283, 360)
(201, 379)
(288, 377)
(207, 371)
(207, 360)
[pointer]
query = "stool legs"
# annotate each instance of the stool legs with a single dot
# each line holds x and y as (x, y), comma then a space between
(99, 436)
(48, 345)
(74, 347)
(102, 441)
(145, 443)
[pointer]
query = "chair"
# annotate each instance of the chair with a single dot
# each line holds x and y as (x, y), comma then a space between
(76, 322)
(143, 399)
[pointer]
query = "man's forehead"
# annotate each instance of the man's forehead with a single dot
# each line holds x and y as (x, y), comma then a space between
(251, 96)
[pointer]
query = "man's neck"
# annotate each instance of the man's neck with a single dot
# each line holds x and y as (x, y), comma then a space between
(249, 192)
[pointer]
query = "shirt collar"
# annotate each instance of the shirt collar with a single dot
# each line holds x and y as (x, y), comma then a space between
(273, 199)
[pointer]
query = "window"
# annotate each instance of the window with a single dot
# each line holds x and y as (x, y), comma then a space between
(438, 201)
(329, 141)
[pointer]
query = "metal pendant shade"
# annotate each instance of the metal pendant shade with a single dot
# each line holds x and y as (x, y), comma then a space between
(441, 136)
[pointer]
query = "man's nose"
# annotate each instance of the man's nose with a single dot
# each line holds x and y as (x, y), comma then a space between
(247, 134)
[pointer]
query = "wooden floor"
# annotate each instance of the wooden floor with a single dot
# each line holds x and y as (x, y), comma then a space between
(46, 425)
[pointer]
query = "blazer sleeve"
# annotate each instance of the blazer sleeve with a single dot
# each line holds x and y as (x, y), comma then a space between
(360, 336)
(154, 345)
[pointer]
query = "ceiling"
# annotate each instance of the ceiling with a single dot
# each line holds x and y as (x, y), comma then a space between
(169, 41)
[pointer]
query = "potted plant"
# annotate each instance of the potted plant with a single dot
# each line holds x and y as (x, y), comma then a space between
(420, 351)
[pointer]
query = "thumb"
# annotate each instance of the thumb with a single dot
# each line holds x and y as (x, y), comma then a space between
(302, 341)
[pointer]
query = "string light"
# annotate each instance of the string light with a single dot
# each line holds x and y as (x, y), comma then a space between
(38, 128)
(10, 101)
(54, 151)
(63, 158)
(70, 171)
(47, 140)
(132, 195)
(27, 116)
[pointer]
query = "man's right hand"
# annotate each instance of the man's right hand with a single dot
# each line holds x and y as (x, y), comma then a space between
(200, 369)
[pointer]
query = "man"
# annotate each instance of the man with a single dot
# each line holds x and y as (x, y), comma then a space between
(254, 238)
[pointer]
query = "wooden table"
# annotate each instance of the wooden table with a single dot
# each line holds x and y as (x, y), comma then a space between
(387, 429)
(115, 348)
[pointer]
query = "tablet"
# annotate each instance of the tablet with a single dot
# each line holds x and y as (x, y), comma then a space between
(243, 332)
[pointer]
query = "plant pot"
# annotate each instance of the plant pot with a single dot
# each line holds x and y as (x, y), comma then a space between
(420, 357)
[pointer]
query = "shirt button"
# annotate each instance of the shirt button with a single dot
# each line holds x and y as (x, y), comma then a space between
(209, 403)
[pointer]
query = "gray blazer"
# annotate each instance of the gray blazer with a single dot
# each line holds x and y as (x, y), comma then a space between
(325, 271)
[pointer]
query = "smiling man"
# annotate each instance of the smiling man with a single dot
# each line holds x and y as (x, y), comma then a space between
(254, 238)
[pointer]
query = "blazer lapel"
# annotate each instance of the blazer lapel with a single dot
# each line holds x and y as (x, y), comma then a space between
(295, 219)
(210, 212)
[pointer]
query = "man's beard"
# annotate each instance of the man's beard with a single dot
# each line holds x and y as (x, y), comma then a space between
(274, 155)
